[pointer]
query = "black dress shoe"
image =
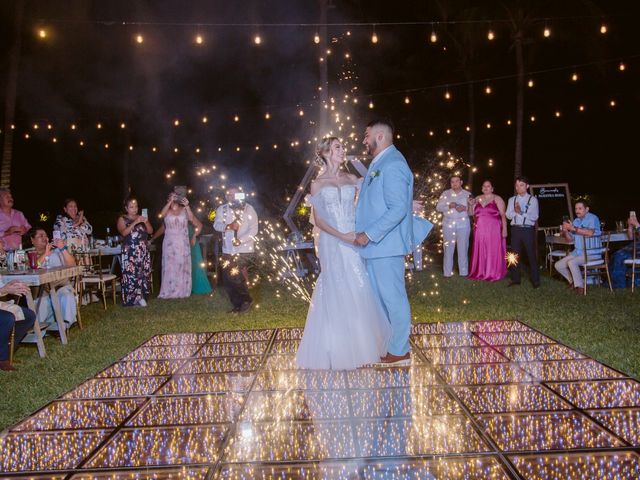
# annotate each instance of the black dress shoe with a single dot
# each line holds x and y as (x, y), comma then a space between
(511, 284)
(245, 307)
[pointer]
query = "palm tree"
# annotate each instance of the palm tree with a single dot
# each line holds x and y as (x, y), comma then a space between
(11, 96)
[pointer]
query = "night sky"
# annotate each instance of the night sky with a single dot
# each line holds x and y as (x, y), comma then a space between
(89, 69)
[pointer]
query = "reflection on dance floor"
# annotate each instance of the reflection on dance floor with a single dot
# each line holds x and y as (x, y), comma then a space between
(481, 400)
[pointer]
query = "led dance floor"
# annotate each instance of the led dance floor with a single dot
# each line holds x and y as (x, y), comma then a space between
(481, 400)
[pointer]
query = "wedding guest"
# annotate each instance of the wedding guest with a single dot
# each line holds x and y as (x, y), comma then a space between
(176, 252)
(13, 315)
(199, 282)
(455, 226)
(73, 226)
(55, 254)
(489, 235)
(586, 224)
(238, 222)
(618, 268)
(13, 224)
(523, 211)
(136, 261)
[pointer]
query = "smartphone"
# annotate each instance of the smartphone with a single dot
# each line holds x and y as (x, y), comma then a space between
(57, 235)
(145, 213)
(565, 218)
(180, 192)
(632, 214)
(240, 196)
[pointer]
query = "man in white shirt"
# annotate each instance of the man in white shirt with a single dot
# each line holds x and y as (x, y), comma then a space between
(238, 223)
(453, 204)
(523, 211)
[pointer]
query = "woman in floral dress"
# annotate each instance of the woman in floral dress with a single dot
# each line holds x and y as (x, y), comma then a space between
(136, 262)
(73, 226)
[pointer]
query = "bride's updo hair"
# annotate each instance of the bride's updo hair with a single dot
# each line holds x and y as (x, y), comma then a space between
(322, 150)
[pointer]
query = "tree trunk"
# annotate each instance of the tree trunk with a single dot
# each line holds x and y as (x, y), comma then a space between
(323, 127)
(11, 96)
(519, 103)
(472, 133)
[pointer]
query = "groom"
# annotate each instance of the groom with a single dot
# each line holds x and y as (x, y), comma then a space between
(385, 232)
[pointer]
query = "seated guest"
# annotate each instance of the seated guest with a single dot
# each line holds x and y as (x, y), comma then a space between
(51, 255)
(13, 224)
(73, 227)
(12, 315)
(585, 224)
(618, 268)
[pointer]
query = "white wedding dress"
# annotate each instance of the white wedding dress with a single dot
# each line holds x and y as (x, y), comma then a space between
(346, 327)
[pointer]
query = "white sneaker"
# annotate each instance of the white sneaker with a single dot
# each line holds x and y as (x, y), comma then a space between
(142, 302)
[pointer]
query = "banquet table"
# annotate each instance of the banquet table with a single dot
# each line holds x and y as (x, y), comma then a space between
(43, 277)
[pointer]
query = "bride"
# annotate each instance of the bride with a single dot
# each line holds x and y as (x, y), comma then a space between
(346, 327)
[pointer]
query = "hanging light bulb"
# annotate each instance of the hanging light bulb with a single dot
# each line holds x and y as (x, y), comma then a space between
(546, 32)
(371, 104)
(407, 100)
(574, 77)
(612, 103)
(433, 38)
(205, 119)
(557, 113)
(530, 83)
(488, 90)
(603, 29)
(447, 95)
(139, 38)
(42, 33)
(267, 116)
(374, 37)
(199, 39)
(316, 39)
(490, 35)
(622, 67)
(257, 40)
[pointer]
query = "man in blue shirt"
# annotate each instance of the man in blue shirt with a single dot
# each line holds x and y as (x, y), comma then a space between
(585, 225)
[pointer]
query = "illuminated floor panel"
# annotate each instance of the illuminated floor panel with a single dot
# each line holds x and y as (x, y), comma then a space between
(481, 400)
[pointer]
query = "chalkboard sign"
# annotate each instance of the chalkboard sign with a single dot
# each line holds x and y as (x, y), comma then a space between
(554, 200)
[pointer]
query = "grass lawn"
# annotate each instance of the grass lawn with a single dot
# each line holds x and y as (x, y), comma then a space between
(603, 325)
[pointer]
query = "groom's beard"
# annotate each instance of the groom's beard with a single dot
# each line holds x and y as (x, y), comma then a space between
(372, 147)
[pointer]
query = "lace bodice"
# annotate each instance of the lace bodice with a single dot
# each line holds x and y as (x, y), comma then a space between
(337, 206)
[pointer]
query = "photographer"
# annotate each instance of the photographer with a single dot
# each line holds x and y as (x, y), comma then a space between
(238, 223)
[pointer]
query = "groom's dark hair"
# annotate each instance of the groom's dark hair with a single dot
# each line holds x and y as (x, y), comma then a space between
(383, 121)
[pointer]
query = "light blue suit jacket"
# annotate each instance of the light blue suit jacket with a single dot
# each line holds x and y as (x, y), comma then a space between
(384, 210)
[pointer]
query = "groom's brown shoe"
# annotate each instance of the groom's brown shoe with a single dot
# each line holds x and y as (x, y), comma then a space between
(391, 360)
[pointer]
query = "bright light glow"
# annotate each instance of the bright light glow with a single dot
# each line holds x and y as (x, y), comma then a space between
(581, 108)
(199, 39)
(612, 103)
(316, 39)
(407, 100)
(123, 125)
(236, 118)
(176, 122)
(139, 38)
(530, 83)
(622, 67)
(603, 29)
(374, 38)
(487, 90)
(371, 105)
(433, 38)
(42, 33)
(205, 119)
(267, 116)
(558, 114)
(447, 95)
(547, 32)
(257, 40)
(574, 77)
(490, 35)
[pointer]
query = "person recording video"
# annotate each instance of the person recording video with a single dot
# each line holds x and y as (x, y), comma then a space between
(238, 223)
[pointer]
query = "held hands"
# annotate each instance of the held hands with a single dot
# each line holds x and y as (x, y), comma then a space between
(14, 287)
(361, 239)
(567, 226)
(461, 208)
(452, 205)
(348, 237)
(517, 208)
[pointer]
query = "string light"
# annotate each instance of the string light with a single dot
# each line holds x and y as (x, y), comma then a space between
(407, 100)
(447, 95)
(199, 39)
(487, 90)
(267, 116)
(433, 38)
(490, 35)
(205, 119)
(371, 104)
(374, 37)
(123, 125)
(574, 77)
(622, 67)
(316, 39)
(236, 118)
(42, 33)
(176, 123)
(530, 83)
(139, 39)
(557, 113)
(612, 103)
(581, 108)
(257, 40)
(603, 29)
(546, 32)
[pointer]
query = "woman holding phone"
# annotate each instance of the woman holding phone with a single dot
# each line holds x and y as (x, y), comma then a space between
(136, 262)
(176, 249)
(72, 226)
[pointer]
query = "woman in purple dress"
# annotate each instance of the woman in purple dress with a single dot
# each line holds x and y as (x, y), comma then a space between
(176, 249)
(489, 236)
